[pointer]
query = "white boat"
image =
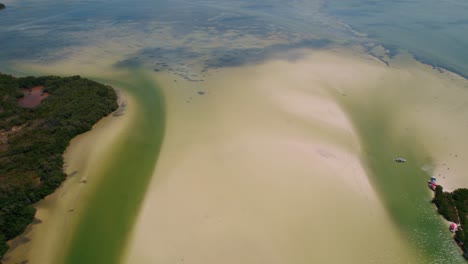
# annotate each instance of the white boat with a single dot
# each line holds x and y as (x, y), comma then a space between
(400, 160)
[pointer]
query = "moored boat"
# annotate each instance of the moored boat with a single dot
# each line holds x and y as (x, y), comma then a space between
(399, 159)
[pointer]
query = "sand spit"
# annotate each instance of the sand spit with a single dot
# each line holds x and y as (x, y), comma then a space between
(86, 156)
(264, 168)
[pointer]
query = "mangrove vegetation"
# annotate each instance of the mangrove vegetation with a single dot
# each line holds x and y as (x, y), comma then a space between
(38, 118)
(453, 206)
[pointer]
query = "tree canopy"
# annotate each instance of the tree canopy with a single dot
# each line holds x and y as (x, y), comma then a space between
(32, 140)
(454, 207)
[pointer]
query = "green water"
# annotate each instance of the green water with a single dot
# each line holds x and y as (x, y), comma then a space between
(100, 236)
(402, 186)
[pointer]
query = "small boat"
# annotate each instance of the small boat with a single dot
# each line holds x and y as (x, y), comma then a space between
(400, 160)
(433, 179)
(432, 185)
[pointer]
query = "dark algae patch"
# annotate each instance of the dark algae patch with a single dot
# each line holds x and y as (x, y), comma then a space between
(453, 206)
(32, 140)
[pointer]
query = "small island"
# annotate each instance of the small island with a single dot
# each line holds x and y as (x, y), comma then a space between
(453, 206)
(38, 118)
(2, 6)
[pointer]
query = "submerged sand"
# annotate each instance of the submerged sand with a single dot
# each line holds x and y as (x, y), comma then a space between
(87, 155)
(264, 167)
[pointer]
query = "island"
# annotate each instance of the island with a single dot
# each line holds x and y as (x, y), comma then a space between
(2, 6)
(453, 206)
(38, 118)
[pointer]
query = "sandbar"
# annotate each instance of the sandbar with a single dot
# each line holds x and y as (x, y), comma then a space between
(264, 167)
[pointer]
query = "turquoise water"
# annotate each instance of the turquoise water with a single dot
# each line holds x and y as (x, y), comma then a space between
(188, 37)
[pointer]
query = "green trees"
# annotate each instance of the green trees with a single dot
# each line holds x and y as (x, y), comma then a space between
(460, 196)
(454, 207)
(31, 157)
(445, 204)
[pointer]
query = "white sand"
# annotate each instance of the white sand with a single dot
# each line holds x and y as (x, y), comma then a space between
(264, 168)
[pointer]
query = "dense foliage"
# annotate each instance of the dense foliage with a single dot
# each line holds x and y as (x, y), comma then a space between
(2, 6)
(454, 207)
(445, 204)
(460, 197)
(32, 141)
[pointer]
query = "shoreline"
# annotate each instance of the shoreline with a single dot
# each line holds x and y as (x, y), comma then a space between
(60, 210)
(394, 117)
(450, 205)
(118, 195)
(132, 162)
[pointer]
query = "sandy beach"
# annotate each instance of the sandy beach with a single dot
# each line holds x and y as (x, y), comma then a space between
(265, 167)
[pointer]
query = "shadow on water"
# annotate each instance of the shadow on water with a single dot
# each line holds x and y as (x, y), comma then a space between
(100, 236)
(401, 186)
(170, 58)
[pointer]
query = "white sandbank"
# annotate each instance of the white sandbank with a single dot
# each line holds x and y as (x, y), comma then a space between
(264, 168)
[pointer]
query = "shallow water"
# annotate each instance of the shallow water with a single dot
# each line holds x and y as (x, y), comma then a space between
(189, 38)
(112, 208)
(433, 31)
(386, 135)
